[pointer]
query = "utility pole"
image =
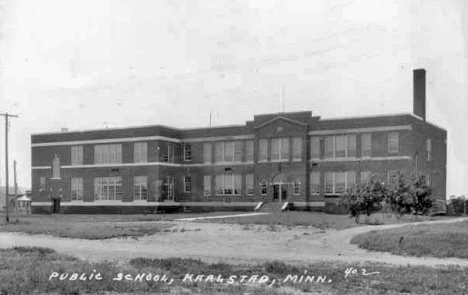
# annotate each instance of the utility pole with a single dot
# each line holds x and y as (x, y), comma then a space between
(16, 188)
(7, 193)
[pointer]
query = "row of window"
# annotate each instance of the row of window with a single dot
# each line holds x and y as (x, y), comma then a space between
(275, 149)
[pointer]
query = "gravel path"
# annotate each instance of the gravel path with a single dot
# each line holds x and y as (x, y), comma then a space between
(231, 243)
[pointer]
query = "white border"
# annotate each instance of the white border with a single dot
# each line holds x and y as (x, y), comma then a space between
(361, 130)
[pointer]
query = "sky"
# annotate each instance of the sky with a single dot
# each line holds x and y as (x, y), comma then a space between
(91, 64)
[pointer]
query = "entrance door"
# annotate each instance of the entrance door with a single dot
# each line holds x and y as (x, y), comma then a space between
(56, 205)
(284, 194)
(276, 190)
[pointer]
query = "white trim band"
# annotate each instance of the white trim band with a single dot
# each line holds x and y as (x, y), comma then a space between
(361, 159)
(361, 130)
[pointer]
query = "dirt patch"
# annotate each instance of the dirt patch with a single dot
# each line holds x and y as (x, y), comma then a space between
(231, 243)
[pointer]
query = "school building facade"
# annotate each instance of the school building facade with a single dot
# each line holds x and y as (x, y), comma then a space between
(286, 157)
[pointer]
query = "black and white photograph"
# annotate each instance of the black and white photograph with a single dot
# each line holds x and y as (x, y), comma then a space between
(248, 147)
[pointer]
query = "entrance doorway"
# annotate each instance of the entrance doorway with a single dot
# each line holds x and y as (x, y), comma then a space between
(56, 205)
(280, 192)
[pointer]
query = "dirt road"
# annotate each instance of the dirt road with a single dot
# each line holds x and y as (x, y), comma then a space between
(230, 243)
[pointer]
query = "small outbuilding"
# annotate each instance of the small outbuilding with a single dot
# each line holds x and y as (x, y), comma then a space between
(23, 205)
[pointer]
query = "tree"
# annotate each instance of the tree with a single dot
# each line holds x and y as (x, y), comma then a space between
(409, 195)
(365, 198)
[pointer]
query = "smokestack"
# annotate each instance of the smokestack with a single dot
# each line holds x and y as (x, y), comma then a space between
(419, 93)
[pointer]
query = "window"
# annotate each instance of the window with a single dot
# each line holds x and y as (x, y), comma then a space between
(249, 151)
(393, 146)
(263, 188)
(279, 149)
(315, 147)
(187, 152)
(228, 184)
(108, 188)
(167, 152)
(340, 182)
(340, 146)
(77, 189)
(219, 184)
(249, 184)
(329, 142)
(366, 145)
(56, 167)
(219, 151)
(315, 183)
(140, 188)
(187, 184)
(77, 155)
(207, 185)
(42, 184)
(429, 149)
(207, 152)
(263, 147)
(392, 176)
(297, 187)
(297, 148)
(140, 152)
(228, 152)
(237, 151)
(365, 176)
(428, 180)
(329, 188)
(351, 145)
(108, 154)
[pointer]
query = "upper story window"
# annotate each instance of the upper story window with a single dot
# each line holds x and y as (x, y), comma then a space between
(187, 152)
(140, 152)
(393, 144)
(77, 155)
(108, 154)
(279, 149)
(342, 146)
(429, 149)
(56, 167)
(207, 152)
(366, 145)
(315, 147)
(297, 148)
(263, 150)
(249, 151)
(230, 151)
(169, 152)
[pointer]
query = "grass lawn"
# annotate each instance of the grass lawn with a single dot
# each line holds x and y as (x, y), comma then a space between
(38, 270)
(438, 240)
(92, 226)
(317, 219)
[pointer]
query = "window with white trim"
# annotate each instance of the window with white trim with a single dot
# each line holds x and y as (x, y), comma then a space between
(315, 147)
(393, 144)
(207, 150)
(315, 183)
(207, 185)
(297, 148)
(263, 150)
(77, 155)
(297, 187)
(187, 184)
(187, 152)
(351, 152)
(167, 152)
(249, 151)
(249, 184)
(329, 183)
(229, 151)
(279, 149)
(108, 188)
(429, 149)
(140, 188)
(108, 154)
(42, 184)
(77, 189)
(219, 151)
(329, 147)
(340, 146)
(140, 152)
(238, 151)
(350, 179)
(228, 184)
(366, 145)
(56, 167)
(338, 182)
(263, 188)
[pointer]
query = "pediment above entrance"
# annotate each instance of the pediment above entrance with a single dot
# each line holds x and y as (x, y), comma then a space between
(279, 126)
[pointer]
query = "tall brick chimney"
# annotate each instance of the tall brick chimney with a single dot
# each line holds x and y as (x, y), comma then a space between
(419, 93)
